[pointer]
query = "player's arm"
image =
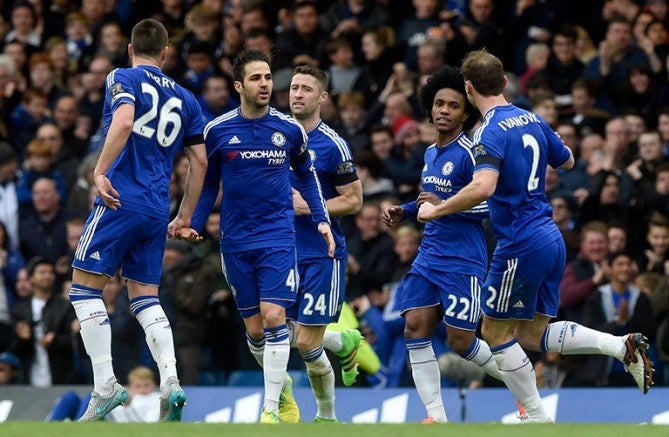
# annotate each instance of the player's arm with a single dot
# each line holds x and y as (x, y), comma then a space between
(210, 189)
(197, 169)
(119, 131)
(481, 187)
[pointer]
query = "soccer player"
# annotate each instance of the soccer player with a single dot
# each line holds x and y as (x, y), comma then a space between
(148, 117)
(444, 280)
(251, 150)
(322, 279)
(521, 292)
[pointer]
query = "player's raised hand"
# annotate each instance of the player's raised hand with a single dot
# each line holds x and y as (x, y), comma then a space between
(427, 197)
(326, 232)
(392, 216)
(107, 192)
(426, 212)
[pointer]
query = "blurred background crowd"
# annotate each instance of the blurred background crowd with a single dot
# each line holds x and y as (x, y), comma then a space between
(597, 71)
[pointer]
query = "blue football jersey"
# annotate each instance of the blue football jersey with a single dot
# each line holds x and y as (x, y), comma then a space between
(252, 158)
(454, 243)
(519, 144)
(167, 117)
(332, 159)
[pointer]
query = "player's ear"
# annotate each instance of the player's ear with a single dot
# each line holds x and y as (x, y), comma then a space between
(163, 55)
(238, 86)
(324, 96)
(505, 80)
(130, 50)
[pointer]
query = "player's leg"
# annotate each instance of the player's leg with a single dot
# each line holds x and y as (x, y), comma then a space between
(320, 301)
(278, 281)
(508, 295)
(420, 306)
(96, 258)
(142, 267)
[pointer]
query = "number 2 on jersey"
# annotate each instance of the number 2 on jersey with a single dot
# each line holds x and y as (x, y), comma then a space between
(531, 142)
(167, 116)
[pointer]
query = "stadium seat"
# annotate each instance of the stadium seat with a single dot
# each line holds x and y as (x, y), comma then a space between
(212, 378)
(246, 378)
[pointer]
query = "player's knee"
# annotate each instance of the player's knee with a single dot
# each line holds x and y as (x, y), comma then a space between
(256, 333)
(274, 317)
(460, 341)
(414, 327)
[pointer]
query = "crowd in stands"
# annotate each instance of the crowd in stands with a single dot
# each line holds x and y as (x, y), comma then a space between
(596, 71)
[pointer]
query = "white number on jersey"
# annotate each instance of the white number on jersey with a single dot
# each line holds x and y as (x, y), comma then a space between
(450, 311)
(320, 304)
(291, 280)
(531, 142)
(167, 116)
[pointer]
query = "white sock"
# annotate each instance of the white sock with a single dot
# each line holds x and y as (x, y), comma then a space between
(332, 341)
(569, 338)
(277, 352)
(321, 377)
(479, 354)
(426, 377)
(518, 375)
(96, 334)
(257, 348)
(152, 318)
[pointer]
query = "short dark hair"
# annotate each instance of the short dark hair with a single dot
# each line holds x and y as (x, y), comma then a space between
(35, 262)
(246, 57)
(149, 38)
(485, 71)
(447, 77)
(315, 72)
(617, 254)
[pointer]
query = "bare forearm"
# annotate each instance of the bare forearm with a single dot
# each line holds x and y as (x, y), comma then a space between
(467, 198)
(194, 180)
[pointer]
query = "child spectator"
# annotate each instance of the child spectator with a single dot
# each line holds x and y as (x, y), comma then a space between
(657, 254)
(79, 39)
(200, 67)
(26, 118)
(353, 120)
(345, 75)
(38, 164)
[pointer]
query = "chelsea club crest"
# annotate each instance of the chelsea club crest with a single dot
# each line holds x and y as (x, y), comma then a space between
(447, 168)
(278, 139)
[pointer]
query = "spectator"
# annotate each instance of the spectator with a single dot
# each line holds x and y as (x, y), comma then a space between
(42, 77)
(79, 39)
(587, 118)
(345, 75)
(43, 329)
(200, 66)
(353, 18)
(114, 44)
(42, 230)
(654, 258)
(10, 369)
(23, 21)
(93, 81)
(216, 99)
(584, 274)
(563, 68)
(370, 173)
(575, 178)
(616, 237)
(38, 164)
(65, 116)
(9, 202)
(605, 202)
(63, 66)
(351, 106)
(618, 307)
(304, 42)
(377, 48)
(564, 211)
(62, 160)
(661, 200)
(370, 254)
(26, 118)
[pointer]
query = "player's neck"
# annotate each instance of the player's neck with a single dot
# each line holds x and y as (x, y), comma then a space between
(250, 111)
(310, 122)
(485, 104)
(137, 61)
(446, 138)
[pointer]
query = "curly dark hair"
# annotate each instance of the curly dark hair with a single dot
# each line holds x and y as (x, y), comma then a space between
(447, 77)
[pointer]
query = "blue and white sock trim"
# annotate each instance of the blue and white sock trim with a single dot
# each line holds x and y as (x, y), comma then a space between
(418, 343)
(276, 334)
(80, 292)
(141, 303)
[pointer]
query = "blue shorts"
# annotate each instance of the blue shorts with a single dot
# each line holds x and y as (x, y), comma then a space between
(321, 292)
(265, 274)
(518, 288)
(459, 295)
(113, 238)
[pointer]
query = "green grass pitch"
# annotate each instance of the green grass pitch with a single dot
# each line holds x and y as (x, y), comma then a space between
(104, 429)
